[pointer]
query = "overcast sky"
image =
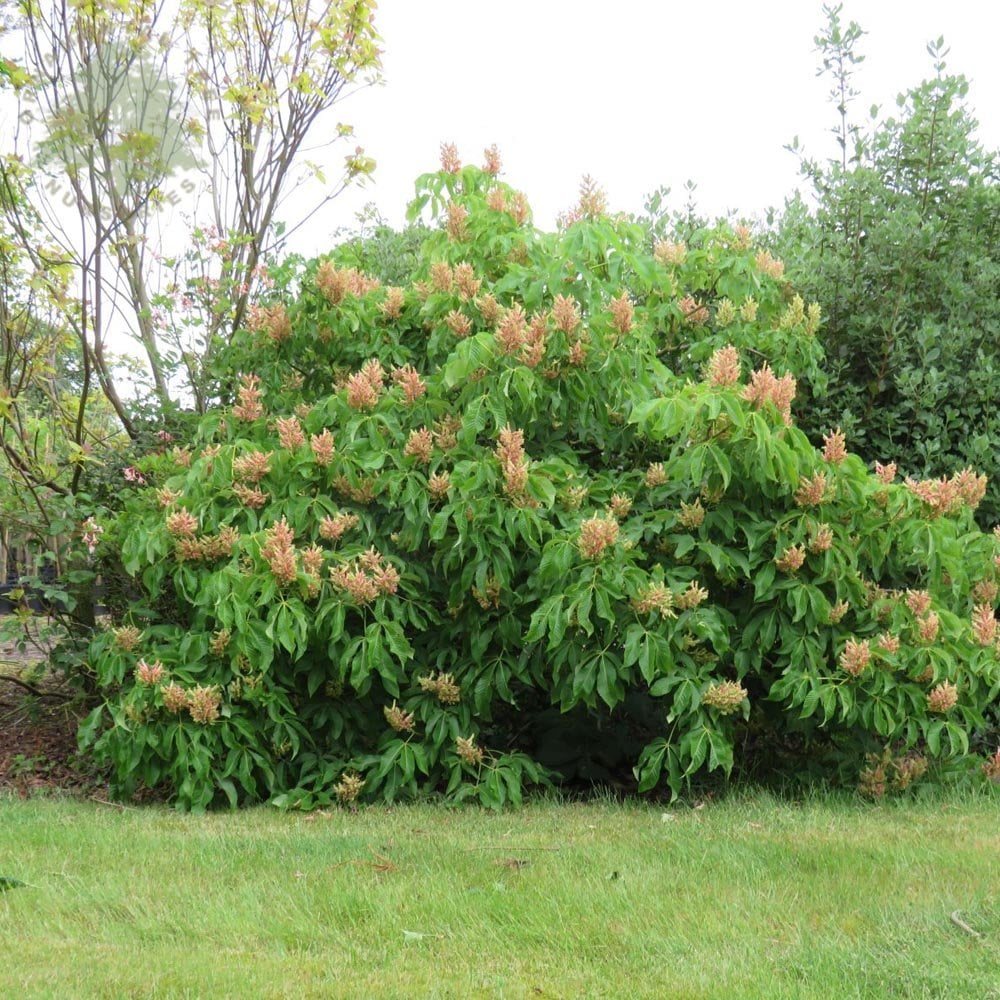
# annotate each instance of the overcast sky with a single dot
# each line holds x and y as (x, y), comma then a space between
(639, 93)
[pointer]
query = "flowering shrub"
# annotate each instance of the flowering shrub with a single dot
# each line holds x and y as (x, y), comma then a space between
(450, 534)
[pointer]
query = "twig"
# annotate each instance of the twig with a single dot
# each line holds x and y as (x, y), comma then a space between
(120, 806)
(957, 920)
(507, 847)
(36, 691)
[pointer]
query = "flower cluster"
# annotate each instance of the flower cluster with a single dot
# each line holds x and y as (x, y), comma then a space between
(398, 719)
(207, 547)
(723, 368)
(656, 597)
(693, 311)
(669, 253)
(834, 447)
(622, 313)
(942, 698)
(438, 485)
(249, 407)
(332, 528)
(322, 447)
(252, 468)
(468, 752)
(272, 321)
(596, 535)
(768, 265)
(290, 433)
(182, 523)
(946, 496)
(726, 697)
(90, 532)
(656, 475)
(419, 445)
(203, 704)
(365, 386)
(349, 788)
(812, 490)
(692, 515)
(457, 226)
(984, 624)
(511, 331)
(766, 387)
(127, 638)
(392, 305)
(691, 597)
(791, 559)
(149, 673)
(442, 686)
(366, 577)
(514, 464)
(336, 284)
(565, 314)
(855, 656)
(408, 379)
(619, 506)
(279, 551)
(838, 611)
(821, 539)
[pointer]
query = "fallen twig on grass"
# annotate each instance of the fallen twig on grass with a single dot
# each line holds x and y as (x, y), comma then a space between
(957, 920)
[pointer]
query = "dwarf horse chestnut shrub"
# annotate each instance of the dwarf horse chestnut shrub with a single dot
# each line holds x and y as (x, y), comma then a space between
(548, 488)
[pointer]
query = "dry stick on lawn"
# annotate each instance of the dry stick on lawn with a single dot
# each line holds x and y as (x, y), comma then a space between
(957, 920)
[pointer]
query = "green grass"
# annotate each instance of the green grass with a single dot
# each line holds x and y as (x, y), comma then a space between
(753, 897)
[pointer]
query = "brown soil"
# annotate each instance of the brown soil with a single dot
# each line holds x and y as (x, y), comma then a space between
(38, 722)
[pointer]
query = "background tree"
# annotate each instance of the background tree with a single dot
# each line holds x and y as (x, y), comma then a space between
(902, 250)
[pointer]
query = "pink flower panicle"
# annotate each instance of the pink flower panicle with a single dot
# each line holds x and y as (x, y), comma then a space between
(791, 559)
(393, 303)
(272, 321)
(249, 407)
(333, 528)
(458, 323)
(834, 447)
(768, 265)
(203, 704)
(492, 162)
(465, 280)
(450, 162)
(622, 313)
(765, 387)
(942, 698)
(149, 673)
(656, 597)
(693, 311)
(565, 314)
(252, 468)
(596, 535)
(511, 330)
(885, 473)
(855, 657)
(290, 433)
(336, 284)
(366, 578)
(409, 380)
(928, 627)
(984, 624)
(182, 523)
(513, 463)
(812, 490)
(419, 445)
(322, 447)
(457, 226)
(723, 368)
(919, 602)
(279, 552)
(822, 539)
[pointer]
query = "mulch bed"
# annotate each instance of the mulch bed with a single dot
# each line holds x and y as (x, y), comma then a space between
(38, 752)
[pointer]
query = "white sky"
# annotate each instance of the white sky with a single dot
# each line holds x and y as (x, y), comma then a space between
(638, 93)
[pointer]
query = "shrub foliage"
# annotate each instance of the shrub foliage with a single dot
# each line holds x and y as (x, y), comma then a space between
(540, 512)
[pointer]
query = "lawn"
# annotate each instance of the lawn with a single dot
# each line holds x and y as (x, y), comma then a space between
(752, 897)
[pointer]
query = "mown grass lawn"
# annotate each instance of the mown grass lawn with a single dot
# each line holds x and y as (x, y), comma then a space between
(753, 897)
